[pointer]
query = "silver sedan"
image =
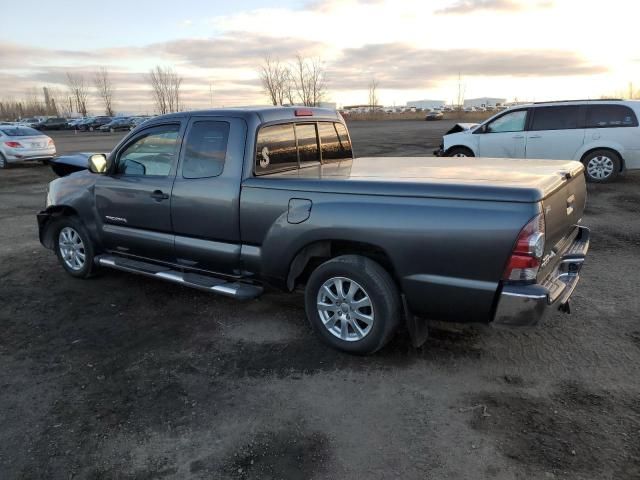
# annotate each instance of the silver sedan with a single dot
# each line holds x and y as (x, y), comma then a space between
(19, 144)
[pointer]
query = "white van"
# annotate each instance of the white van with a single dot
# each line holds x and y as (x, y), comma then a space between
(602, 134)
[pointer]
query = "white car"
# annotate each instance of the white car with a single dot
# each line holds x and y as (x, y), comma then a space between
(602, 134)
(19, 144)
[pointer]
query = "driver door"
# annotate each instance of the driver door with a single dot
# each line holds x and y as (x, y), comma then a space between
(134, 200)
(504, 137)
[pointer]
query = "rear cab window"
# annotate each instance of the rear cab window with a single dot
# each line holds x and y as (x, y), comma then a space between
(291, 146)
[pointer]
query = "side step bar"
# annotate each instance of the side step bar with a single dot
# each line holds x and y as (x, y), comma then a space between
(240, 290)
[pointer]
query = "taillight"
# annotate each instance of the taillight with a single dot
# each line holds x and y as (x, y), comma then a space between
(527, 253)
(304, 112)
(13, 144)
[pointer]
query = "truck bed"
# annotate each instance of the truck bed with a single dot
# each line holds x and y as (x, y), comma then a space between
(490, 179)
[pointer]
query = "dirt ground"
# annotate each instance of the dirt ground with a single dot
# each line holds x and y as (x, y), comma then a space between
(127, 377)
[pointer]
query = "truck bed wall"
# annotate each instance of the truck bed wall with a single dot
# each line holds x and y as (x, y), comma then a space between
(448, 255)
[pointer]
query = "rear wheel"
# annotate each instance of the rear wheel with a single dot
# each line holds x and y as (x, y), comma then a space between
(3, 161)
(460, 152)
(353, 304)
(601, 166)
(73, 247)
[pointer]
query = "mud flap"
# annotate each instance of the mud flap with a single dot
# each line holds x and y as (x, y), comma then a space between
(418, 327)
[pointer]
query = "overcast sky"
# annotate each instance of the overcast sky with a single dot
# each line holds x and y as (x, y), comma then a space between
(415, 49)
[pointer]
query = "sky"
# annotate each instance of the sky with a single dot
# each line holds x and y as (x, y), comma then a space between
(414, 49)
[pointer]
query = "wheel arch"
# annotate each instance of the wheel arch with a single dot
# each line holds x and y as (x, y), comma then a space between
(465, 147)
(48, 217)
(612, 148)
(312, 255)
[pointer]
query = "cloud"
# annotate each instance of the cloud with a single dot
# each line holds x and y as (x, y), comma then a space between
(402, 66)
(471, 6)
(234, 50)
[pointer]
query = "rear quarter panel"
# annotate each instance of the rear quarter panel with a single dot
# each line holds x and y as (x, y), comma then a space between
(448, 255)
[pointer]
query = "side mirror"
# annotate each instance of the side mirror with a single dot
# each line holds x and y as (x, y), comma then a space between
(98, 163)
(481, 129)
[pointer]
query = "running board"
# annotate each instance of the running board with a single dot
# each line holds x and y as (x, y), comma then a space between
(208, 283)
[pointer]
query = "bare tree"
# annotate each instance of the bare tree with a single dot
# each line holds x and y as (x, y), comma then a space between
(79, 91)
(275, 78)
(461, 93)
(104, 89)
(308, 77)
(165, 83)
(373, 95)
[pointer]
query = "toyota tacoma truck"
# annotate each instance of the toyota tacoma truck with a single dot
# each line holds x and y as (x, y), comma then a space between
(230, 201)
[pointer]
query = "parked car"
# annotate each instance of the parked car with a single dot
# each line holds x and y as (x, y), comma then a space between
(434, 115)
(93, 123)
(602, 134)
(52, 123)
(74, 122)
(20, 144)
(117, 124)
(373, 240)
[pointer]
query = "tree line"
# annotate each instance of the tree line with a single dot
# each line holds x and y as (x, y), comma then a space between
(165, 84)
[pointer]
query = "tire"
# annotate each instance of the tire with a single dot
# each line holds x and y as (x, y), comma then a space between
(459, 152)
(601, 166)
(67, 230)
(3, 161)
(112, 130)
(91, 129)
(362, 329)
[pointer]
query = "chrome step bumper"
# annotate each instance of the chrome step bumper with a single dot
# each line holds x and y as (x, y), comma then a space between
(522, 305)
(235, 289)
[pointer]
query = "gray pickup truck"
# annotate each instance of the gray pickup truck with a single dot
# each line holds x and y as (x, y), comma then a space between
(229, 201)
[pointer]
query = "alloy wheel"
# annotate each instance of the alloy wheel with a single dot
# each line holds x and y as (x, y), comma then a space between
(345, 309)
(600, 167)
(71, 248)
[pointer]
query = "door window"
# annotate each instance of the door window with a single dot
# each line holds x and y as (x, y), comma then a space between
(151, 154)
(308, 150)
(608, 116)
(509, 122)
(205, 149)
(556, 118)
(276, 149)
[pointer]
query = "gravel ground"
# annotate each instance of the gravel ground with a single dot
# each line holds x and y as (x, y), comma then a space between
(126, 377)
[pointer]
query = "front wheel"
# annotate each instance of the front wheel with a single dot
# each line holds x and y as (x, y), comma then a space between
(601, 166)
(460, 152)
(353, 304)
(73, 247)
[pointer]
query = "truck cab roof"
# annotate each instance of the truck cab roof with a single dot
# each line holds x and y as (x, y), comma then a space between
(265, 113)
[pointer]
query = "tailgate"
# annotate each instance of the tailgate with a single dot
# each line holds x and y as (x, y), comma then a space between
(563, 210)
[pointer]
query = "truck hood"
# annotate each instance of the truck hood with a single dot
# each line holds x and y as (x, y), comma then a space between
(487, 179)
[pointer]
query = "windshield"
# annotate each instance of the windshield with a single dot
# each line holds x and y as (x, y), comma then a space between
(20, 131)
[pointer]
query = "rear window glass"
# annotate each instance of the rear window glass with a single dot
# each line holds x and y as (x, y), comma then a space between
(334, 146)
(607, 116)
(20, 131)
(307, 144)
(276, 149)
(205, 149)
(556, 118)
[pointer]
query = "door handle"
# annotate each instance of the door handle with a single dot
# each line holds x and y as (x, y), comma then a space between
(518, 136)
(535, 136)
(159, 195)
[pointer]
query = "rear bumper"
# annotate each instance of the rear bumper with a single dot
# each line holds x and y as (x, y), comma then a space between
(522, 305)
